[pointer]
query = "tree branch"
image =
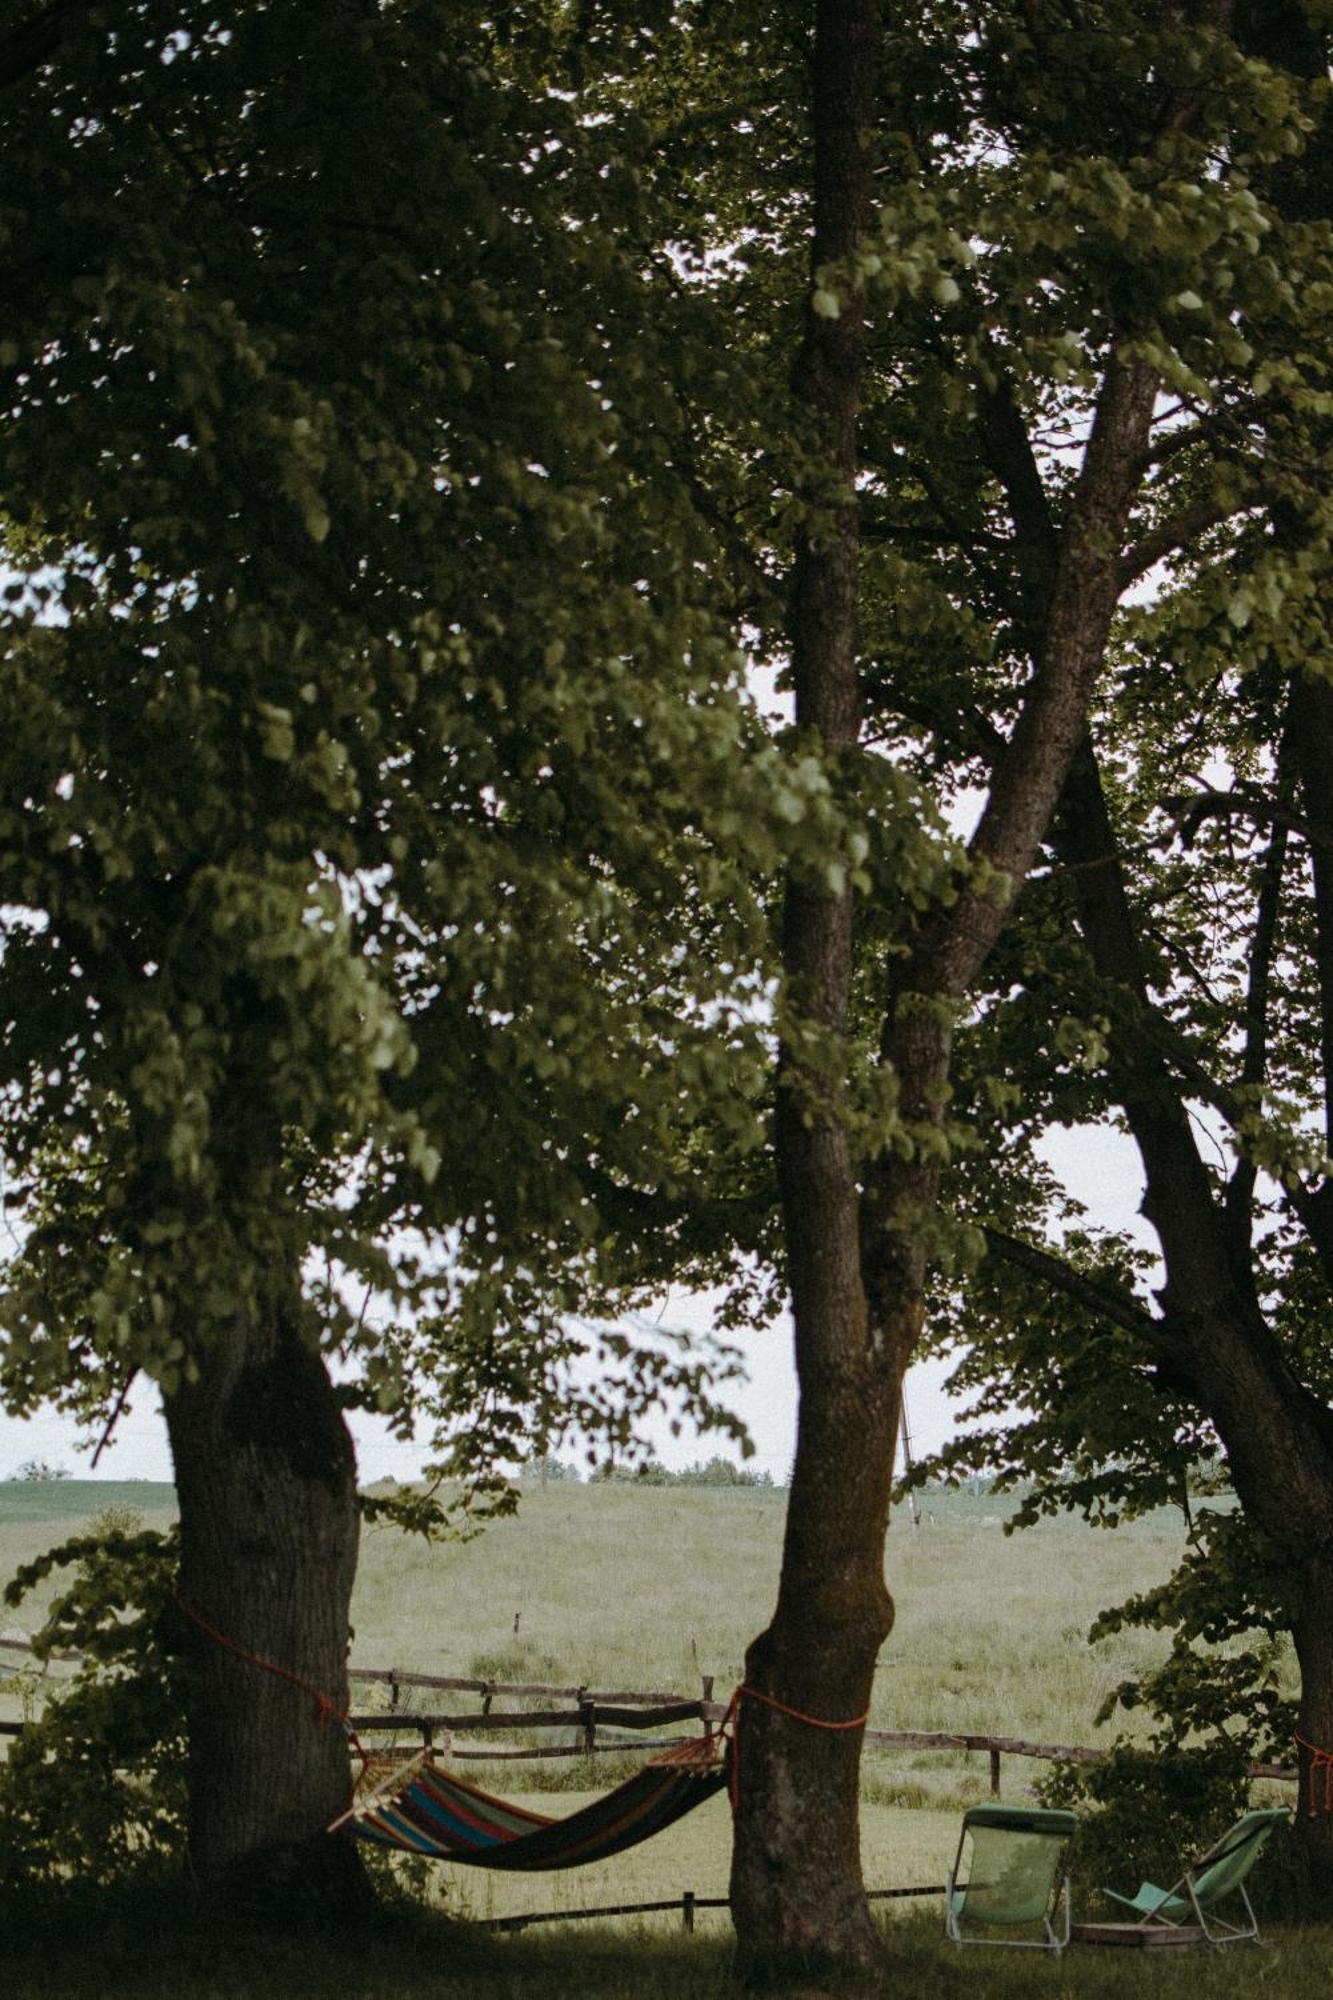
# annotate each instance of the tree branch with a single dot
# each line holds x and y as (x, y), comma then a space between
(1079, 584)
(1089, 1292)
(1176, 532)
(1190, 809)
(1254, 1061)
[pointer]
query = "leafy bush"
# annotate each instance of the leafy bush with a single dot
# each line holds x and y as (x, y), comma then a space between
(550, 1471)
(93, 1790)
(1145, 1809)
(1225, 1605)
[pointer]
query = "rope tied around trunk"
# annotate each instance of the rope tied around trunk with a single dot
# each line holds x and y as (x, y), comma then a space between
(732, 1720)
(1320, 1760)
(329, 1711)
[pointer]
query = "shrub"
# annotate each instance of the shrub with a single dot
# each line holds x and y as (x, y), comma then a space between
(93, 1790)
(650, 1472)
(1151, 1809)
(722, 1472)
(549, 1471)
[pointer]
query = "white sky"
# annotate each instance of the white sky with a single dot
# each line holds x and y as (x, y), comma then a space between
(1099, 1166)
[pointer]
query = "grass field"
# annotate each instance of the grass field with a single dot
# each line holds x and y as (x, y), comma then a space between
(652, 1587)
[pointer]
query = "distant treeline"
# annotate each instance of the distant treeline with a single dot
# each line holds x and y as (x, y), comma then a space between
(649, 1472)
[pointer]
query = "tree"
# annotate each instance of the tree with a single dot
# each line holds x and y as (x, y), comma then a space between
(370, 883)
(1174, 965)
(1053, 221)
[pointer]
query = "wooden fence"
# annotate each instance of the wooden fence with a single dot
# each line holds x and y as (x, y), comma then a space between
(594, 1712)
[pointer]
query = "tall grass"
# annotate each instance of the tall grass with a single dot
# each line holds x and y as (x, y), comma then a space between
(615, 1585)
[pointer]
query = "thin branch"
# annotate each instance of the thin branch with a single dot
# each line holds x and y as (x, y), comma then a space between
(113, 1419)
(1089, 1292)
(1190, 809)
(1176, 532)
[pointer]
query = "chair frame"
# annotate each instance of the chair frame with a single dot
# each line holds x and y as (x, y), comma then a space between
(1058, 1905)
(1220, 1932)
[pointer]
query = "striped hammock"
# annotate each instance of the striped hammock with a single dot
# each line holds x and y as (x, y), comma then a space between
(425, 1809)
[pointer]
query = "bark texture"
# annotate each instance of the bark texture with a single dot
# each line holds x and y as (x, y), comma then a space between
(796, 1889)
(265, 1475)
(858, 1237)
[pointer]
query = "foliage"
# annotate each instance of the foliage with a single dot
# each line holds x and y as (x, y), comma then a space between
(1166, 972)
(547, 1471)
(379, 894)
(93, 1791)
(1231, 1585)
(721, 1472)
(40, 1470)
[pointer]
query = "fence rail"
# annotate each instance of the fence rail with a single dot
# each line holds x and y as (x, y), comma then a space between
(26, 1646)
(397, 1678)
(628, 1709)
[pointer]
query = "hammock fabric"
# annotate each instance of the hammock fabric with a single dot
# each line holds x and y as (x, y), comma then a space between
(425, 1809)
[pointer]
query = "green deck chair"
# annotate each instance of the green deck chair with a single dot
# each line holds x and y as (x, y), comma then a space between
(1015, 1878)
(1219, 1873)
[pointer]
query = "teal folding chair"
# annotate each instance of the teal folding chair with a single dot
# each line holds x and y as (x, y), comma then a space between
(1016, 1877)
(1210, 1880)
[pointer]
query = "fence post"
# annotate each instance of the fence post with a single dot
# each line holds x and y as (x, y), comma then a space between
(995, 1773)
(393, 1687)
(687, 1910)
(588, 1719)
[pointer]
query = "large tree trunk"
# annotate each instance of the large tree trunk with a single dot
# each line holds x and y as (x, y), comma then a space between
(856, 1261)
(265, 1475)
(796, 1889)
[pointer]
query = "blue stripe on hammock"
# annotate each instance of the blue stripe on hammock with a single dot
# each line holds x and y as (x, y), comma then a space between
(591, 1834)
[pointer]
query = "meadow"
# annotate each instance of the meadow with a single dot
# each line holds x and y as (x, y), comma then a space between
(652, 1587)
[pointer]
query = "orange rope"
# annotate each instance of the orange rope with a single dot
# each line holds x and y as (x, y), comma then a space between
(328, 1708)
(733, 1717)
(1320, 1760)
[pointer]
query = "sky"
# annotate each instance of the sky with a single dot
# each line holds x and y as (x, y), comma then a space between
(1100, 1167)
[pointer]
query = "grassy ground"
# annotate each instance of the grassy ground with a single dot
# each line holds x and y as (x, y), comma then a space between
(619, 1585)
(633, 1587)
(424, 1961)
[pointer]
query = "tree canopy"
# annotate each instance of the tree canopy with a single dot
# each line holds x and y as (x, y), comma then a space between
(383, 798)
(372, 705)
(415, 420)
